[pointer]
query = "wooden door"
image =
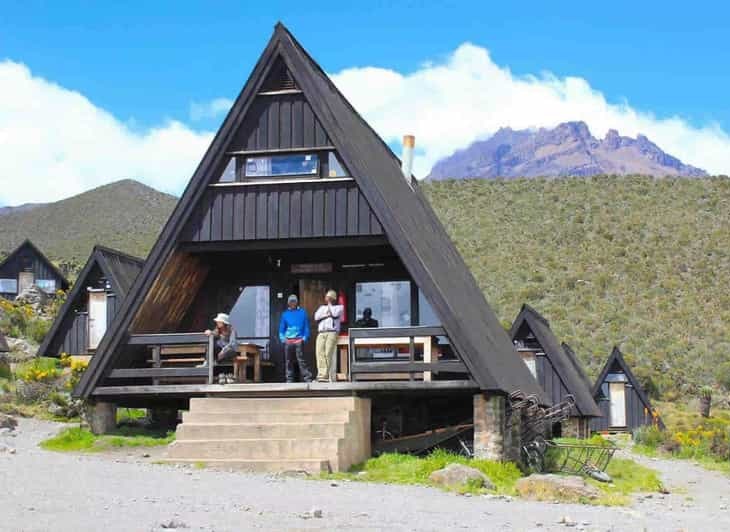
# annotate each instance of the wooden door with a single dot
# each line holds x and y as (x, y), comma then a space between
(617, 394)
(311, 296)
(97, 318)
(25, 280)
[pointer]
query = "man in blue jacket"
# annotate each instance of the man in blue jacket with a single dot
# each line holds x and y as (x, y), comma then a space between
(293, 332)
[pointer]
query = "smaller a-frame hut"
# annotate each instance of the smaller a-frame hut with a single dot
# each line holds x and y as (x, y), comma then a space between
(27, 266)
(623, 402)
(92, 303)
(556, 369)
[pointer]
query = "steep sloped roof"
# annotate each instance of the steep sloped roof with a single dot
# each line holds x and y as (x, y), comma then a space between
(564, 363)
(27, 243)
(410, 224)
(119, 268)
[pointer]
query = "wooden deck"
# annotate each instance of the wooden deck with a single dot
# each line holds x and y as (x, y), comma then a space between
(282, 389)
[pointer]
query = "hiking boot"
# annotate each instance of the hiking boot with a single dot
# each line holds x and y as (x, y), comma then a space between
(230, 379)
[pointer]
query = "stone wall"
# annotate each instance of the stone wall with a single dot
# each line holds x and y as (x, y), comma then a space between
(496, 437)
(575, 427)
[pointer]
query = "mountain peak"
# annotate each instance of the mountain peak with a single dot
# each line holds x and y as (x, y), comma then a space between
(568, 149)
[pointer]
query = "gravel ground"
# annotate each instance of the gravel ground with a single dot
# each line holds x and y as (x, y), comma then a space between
(46, 491)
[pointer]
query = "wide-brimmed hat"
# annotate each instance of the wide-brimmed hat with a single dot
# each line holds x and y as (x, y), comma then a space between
(331, 294)
(222, 318)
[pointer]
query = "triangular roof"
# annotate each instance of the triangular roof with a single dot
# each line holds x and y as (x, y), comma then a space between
(410, 224)
(120, 270)
(3, 344)
(28, 243)
(616, 357)
(564, 363)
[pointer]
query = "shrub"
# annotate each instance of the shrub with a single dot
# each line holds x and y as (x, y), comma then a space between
(648, 435)
(722, 375)
(38, 370)
(36, 329)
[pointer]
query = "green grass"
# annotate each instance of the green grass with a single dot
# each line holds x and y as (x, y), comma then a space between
(75, 439)
(393, 468)
(131, 414)
(628, 478)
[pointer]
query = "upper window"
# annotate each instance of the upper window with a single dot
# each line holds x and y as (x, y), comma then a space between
(426, 314)
(8, 286)
(282, 165)
(229, 172)
(389, 302)
(47, 285)
(335, 168)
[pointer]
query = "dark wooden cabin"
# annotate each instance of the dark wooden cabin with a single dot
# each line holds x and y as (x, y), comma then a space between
(298, 194)
(623, 402)
(556, 369)
(92, 303)
(27, 266)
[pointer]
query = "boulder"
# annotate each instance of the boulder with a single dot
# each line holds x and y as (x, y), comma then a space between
(556, 488)
(33, 296)
(458, 475)
(20, 349)
(8, 422)
(32, 392)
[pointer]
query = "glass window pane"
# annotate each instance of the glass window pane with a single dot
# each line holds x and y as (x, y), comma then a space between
(47, 285)
(389, 301)
(426, 314)
(250, 313)
(335, 166)
(229, 173)
(8, 286)
(281, 165)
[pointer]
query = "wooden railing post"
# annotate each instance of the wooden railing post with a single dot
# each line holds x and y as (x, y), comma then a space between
(209, 357)
(156, 361)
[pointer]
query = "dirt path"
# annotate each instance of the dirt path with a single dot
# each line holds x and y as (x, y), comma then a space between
(62, 492)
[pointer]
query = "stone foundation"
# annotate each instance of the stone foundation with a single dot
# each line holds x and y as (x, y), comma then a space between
(102, 417)
(576, 427)
(495, 436)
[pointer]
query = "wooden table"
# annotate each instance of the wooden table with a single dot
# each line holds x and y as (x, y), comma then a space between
(343, 343)
(247, 352)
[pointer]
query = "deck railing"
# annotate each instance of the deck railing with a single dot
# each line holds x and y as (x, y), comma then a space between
(156, 342)
(395, 338)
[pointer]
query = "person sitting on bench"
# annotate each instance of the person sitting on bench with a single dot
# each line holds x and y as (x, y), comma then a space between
(225, 346)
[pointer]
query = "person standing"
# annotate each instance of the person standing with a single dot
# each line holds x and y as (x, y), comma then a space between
(328, 317)
(293, 332)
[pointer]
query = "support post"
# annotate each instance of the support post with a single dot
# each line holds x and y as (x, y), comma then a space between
(492, 438)
(101, 416)
(210, 358)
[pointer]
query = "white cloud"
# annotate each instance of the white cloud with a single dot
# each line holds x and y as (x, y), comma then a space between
(467, 97)
(55, 143)
(212, 109)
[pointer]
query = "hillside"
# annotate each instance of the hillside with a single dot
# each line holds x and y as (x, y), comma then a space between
(125, 215)
(632, 261)
(566, 150)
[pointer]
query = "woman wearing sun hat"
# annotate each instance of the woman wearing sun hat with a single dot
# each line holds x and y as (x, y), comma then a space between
(225, 347)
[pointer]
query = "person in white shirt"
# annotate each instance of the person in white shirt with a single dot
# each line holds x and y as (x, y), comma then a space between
(328, 317)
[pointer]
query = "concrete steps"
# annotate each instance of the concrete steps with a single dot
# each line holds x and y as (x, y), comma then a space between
(312, 434)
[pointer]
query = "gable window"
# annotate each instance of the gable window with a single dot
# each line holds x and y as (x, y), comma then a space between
(47, 285)
(229, 172)
(335, 168)
(8, 286)
(282, 165)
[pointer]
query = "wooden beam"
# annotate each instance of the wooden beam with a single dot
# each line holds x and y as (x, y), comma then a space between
(139, 373)
(277, 151)
(167, 339)
(395, 332)
(451, 366)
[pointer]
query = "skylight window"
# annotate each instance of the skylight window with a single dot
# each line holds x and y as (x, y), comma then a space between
(282, 165)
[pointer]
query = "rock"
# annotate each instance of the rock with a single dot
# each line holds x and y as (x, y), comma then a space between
(8, 422)
(20, 349)
(33, 296)
(316, 513)
(555, 488)
(6, 449)
(173, 524)
(567, 521)
(32, 392)
(458, 475)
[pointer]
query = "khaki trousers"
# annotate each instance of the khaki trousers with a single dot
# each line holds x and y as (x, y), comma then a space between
(326, 348)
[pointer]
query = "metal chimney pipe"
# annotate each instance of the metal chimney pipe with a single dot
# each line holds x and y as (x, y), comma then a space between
(409, 143)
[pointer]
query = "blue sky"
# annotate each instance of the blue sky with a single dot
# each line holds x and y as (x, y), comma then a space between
(146, 63)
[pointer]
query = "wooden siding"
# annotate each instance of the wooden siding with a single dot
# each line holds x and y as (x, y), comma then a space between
(279, 211)
(280, 122)
(27, 260)
(171, 294)
(635, 416)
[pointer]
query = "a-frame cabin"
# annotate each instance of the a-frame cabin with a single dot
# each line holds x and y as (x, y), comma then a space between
(556, 369)
(623, 402)
(297, 195)
(92, 303)
(27, 266)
